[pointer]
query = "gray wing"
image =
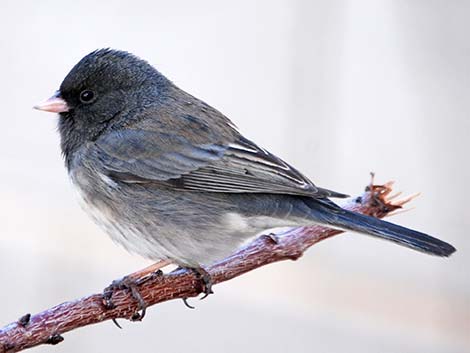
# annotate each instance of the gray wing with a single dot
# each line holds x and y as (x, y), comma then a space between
(142, 156)
(150, 156)
(247, 168)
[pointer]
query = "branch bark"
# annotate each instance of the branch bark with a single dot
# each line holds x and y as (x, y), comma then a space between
(47, 327)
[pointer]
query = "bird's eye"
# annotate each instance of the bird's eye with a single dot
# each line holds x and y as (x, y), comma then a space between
(87, 96)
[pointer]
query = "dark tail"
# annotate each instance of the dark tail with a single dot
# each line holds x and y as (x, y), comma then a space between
(330, 214)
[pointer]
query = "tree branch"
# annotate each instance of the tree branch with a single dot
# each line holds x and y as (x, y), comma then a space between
(48, 326)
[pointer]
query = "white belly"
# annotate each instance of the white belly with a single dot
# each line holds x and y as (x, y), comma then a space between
(122, 233)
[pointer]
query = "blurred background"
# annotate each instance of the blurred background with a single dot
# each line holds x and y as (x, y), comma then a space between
(337, 88)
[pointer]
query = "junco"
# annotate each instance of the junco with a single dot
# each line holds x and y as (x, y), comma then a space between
(171, 178)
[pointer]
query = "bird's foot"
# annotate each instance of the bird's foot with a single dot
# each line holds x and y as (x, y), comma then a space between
(206, 282)
(131, 284)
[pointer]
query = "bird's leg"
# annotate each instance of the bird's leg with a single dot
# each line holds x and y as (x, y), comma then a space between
(149, 270)
(131, 283)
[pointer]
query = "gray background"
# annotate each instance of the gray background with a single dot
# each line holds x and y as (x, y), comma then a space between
(337, 88)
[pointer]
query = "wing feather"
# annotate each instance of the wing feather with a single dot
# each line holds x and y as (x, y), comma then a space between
(237, 166)
(247, 168)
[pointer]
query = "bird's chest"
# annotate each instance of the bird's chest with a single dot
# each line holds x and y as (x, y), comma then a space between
(99, 197)
(94, 194)
(113, 208)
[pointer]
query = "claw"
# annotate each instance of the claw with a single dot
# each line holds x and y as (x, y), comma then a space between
(185, 301)
(130, 284)
(116, 323)
(207, 281)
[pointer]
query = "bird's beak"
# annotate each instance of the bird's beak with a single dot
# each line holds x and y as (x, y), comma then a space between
(55, 104)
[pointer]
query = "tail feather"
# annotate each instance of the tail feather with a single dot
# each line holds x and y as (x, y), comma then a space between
(330, 214)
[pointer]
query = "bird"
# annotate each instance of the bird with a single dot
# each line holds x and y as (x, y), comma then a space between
(172, 179)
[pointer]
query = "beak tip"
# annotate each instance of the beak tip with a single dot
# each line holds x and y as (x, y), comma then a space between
(55, 104)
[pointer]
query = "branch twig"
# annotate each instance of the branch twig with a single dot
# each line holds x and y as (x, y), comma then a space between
(48, 326)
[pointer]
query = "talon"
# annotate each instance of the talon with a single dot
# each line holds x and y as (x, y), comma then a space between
(185, 301)
(142, 303)
(206, 279)
(132, 285)
(116, 323)
(206, 294)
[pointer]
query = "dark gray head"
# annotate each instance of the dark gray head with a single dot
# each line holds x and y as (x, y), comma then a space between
(102, 87)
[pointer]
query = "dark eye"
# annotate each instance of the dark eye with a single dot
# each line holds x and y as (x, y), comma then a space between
(87, 96)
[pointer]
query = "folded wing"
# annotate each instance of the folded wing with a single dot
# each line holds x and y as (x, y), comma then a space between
(173, 159)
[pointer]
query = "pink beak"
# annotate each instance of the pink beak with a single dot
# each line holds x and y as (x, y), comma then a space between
(55, 104)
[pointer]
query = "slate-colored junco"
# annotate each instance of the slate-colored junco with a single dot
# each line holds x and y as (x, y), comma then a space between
(169, 177)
